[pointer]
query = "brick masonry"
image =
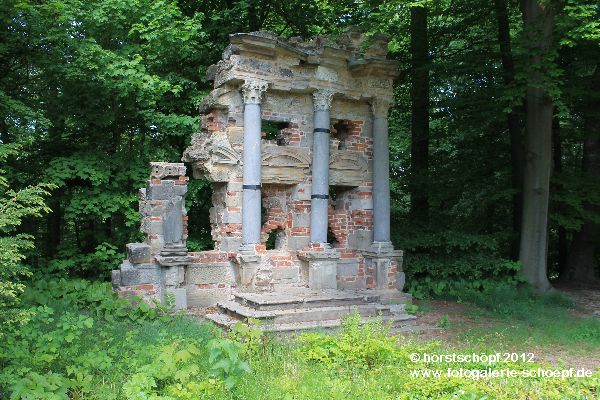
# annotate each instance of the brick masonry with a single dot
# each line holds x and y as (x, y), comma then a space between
(293, 72)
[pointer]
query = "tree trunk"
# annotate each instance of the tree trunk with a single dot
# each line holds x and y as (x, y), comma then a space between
(419, 96)
(538, 26)
(582, 262)
(514, 128)
(563, 245)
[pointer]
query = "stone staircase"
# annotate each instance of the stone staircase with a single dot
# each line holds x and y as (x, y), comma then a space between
(300, 308)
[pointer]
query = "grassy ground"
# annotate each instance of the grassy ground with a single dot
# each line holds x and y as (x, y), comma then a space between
(81, 343)
(554, 328)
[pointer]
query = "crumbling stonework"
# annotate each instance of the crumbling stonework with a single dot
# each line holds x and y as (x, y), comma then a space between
(320, 187)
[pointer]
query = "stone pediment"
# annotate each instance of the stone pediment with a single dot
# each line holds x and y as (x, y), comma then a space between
(347, 168)
(223, 154)
(213, 160)
(284, 165)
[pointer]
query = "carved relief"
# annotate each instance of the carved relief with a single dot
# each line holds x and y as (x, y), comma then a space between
(347, 168)
(326, 74)
(160, 170)
(253, 90)
(213, 160)
(284, 165)
(322, 99)
(379, 83)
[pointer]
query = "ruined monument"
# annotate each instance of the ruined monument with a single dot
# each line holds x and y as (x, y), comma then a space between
(319, 187)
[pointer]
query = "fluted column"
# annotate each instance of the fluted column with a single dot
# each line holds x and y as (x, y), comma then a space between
(252, 92)
(320, 166)
(381, 172)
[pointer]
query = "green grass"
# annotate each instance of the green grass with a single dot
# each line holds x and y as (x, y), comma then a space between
(524, 319)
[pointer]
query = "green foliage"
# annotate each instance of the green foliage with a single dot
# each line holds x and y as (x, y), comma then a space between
(225, 361)
(445, 263)
(250, 336)
(175, 373)
(357, 346)
(15, 206)
(82, 341)
(96, 297)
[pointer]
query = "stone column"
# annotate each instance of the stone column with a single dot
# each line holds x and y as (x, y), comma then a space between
(253, 275)
(252, 92)
(383, 262)
(321, 260)
(320, 166)
(381, 172)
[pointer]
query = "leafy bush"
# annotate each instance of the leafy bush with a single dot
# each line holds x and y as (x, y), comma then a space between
(97, 298)
(175, 373)
(14, 207)
(358, 345)
(226, 362)
(446, 263)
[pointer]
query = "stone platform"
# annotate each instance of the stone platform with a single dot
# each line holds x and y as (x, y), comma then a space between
(300, 308)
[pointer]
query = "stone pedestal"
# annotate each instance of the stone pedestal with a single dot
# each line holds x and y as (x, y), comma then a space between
(254, 274)
(322, 268)
(386, 264)
(155, 268)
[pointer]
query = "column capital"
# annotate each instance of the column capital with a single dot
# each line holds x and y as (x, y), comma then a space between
(380, 107)
(253, 91)
(322, 99)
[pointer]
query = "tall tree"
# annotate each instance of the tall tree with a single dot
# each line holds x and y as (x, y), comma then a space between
(538, 25)
(419, 95)
(514, 127)
(582, 262)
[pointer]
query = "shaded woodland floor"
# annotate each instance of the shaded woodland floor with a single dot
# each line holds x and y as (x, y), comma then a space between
(568, 338)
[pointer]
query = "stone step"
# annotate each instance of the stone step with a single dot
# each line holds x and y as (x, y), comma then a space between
(397, 321)
(282, 316)
(296, 298)
(226, 321)
(221, 320)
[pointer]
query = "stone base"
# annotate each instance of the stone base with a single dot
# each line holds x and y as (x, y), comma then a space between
(173, 261)
(322, 268)
(254, 275)
(386, 264)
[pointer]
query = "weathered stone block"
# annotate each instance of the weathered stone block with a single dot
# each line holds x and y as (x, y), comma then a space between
(400, 280)
(139, 274)
(301, 220)
(174, 276)
(161, 191)
(230, 244)
(297, 242)
(179, 297)
(360, 240)
(361, 204)
(358, 284)
(285, 273)
(301, 192)
(115, 278)
(210, 273)
(231, 217)
(197, 297)
(179, 190)
(347, 267)
(138, 253)
(322, 269)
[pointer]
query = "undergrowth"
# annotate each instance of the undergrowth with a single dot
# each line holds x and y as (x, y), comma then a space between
(82, 342)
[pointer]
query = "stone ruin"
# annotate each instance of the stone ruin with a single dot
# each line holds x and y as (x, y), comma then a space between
(315, 188)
